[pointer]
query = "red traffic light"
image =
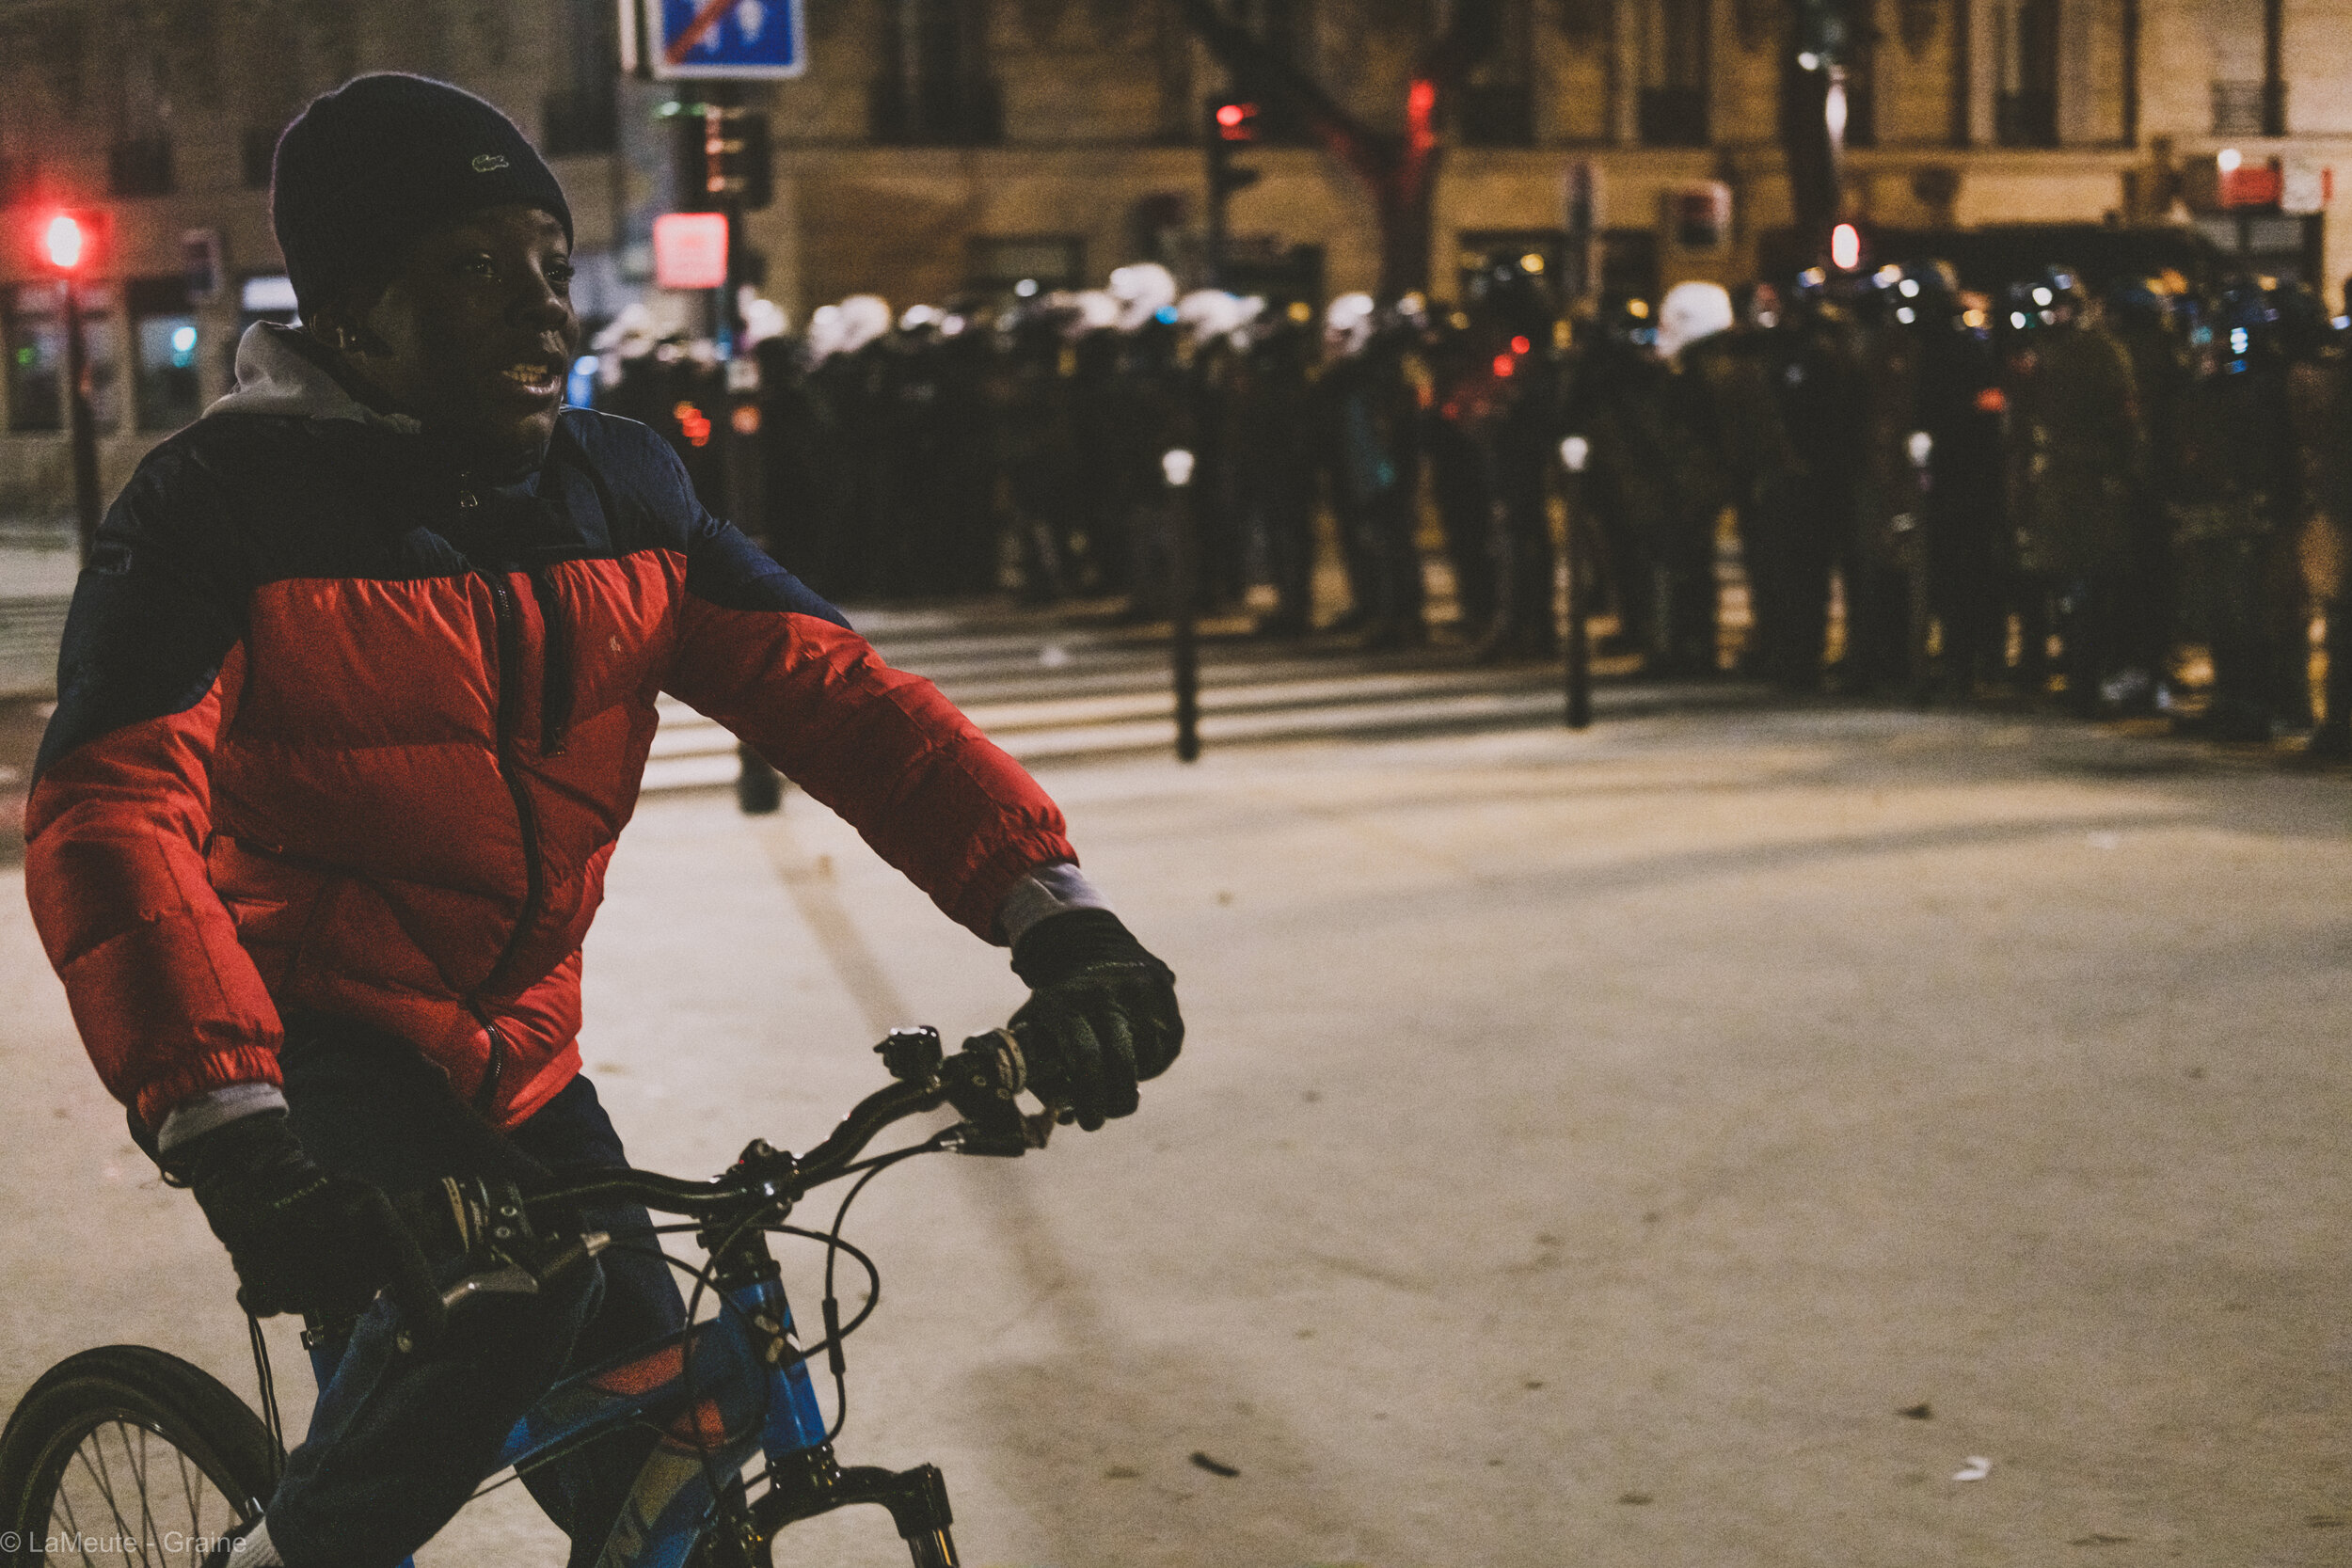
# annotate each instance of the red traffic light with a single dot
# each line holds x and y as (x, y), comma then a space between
(61, 243)
(1845, 248)
(69, 242)
(1237, 121)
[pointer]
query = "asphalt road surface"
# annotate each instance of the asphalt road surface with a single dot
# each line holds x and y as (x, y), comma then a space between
(1694, 1142)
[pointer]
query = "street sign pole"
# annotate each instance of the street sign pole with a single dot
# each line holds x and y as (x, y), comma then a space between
(82, 423)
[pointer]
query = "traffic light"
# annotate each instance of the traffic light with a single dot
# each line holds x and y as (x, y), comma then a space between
(1232, 122)
(70, 243)
(1845, 248)
(738, 157)
(723, 157)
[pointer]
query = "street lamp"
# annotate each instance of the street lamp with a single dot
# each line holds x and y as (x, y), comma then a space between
(71, 246)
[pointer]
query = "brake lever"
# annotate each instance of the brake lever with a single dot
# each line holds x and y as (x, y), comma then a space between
(512, 1278)
(981, 1082)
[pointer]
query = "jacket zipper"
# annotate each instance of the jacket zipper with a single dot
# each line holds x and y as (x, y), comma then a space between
(555, 684)
(527, 820)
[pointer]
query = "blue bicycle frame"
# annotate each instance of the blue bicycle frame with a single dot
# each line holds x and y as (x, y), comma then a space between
(741, 1387)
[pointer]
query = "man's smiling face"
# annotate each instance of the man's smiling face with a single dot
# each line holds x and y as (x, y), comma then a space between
(475, 332)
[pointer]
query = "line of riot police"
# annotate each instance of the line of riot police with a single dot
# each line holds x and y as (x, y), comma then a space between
(1929, 491)
(2044, 490)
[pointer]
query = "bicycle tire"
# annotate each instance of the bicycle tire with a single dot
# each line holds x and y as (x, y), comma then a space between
(123, 1428)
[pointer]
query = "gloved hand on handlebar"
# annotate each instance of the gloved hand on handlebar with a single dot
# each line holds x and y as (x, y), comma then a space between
(1101, 1017)
(302, 1238)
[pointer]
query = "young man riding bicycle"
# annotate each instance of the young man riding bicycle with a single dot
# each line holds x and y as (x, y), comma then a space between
(355, 698)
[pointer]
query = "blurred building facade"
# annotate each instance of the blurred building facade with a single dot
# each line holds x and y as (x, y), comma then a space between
(942, 148)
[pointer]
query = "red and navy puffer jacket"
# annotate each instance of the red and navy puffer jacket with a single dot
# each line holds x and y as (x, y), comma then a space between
(343, 730)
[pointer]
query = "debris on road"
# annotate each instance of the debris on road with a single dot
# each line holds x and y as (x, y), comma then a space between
(1975, 1468)
(1636, 1500)
(1920, 1412)
(1215, 1467)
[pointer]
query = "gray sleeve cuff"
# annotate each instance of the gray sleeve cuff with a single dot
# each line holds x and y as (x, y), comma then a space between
(1047, 890)
(193, 1118)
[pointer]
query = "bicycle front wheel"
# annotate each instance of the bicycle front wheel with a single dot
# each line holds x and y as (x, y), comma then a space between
(125, 1455)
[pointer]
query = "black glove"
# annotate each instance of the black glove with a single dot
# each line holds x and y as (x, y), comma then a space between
(303, 1239)
(1103, 1015)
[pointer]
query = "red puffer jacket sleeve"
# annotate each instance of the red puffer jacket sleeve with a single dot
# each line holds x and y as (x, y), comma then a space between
(773, 662)
(166, 1002)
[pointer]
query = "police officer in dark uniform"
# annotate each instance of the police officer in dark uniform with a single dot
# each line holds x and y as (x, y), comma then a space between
(2236, 484)
(2139, 313)
(1960, 408)
(1278, 465)
(1820, 402)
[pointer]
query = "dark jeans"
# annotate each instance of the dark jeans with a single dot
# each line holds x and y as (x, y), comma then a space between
(399, 1440)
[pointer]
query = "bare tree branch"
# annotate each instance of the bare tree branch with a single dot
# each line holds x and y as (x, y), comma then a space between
(1395, 167)
(1258, 72)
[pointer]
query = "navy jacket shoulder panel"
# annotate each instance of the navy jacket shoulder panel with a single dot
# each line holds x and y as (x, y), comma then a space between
(653, 504)
(158, 606)
(325, 498)
(639, 483)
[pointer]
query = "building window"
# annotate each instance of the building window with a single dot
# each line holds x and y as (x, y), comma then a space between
(35, 347)
(582, 113)
(1862, 98)
(1490, 256)
(140, 166)
(2249, 92)
(1629, 266)
(1024, 265)
(32, 323)
(1498, 104)
(2284, 246)
(2024, 113)
(936, 90)
(163, 337)
(1673, 107)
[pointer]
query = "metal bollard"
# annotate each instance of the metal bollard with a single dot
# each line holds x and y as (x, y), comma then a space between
(1176, 468)
(1920, 448)
(758, 788)
(1575, 454)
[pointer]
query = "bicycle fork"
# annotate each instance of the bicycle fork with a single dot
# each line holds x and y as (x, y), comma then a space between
(803, 1480)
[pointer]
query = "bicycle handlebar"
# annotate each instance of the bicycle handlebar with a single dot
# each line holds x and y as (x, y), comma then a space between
(979, 1081)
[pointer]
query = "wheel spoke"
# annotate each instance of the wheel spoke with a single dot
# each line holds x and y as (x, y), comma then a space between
(147, 1514)
(194, 1493)
(137, 1476)
(71, 1523)
(99, 1474)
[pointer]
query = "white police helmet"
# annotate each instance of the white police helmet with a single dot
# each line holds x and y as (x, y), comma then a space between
(1143, 290)
(1208, 314)
(1689, 312)
(1347, 323)
(864, 318)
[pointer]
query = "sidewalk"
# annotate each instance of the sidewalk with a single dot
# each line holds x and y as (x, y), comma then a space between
(36, 575)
